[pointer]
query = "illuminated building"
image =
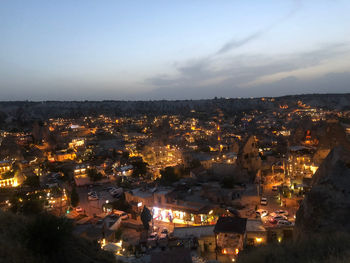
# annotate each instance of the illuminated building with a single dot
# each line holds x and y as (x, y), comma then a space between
(76, 143)
(256, 233)
(166, 208)
(230, 233)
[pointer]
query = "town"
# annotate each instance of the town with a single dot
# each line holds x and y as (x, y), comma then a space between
(200, 184)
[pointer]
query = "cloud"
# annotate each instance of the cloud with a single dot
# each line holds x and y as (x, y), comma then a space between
(202, 76)
(234, 43)
(334, 82)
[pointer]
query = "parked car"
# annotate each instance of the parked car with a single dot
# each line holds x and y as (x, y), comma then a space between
(117, 195)
(113, 216)
(111, 190)
(123, 215)
(284, 223)
(280, 212)
(275, 187)
(92, 197)
(153, 236)
(163, 234)
(280, 217)
(116, 191)
(152, 239)
(163, 240)
(92, 193)
(249, 212)
(261, 213)
(78, 209)
(272, 220)
(263, 201)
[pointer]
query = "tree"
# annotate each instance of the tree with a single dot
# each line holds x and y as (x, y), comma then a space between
(170, 175)
(228, 182)
(125, 157)
(32, 181)
(146, 217)
(44, 238)
(140, 168)
(74, 197)
(32, 207)
(94, 175)
(120, 204)
(56, 191)
(195, 163)
(48, 234)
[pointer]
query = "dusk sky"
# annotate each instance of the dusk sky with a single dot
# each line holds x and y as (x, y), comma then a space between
(78, 50)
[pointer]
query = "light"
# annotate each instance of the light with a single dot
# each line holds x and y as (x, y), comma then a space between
(258, 239)
(139, 204)
(120, 243)
(103, 243)
(279, 239)
(233, 260)
(155, 212)
(210, 212)
(237, 251)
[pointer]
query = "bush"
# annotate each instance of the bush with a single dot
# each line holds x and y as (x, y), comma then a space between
(94, 175)
(333, 248)
(74, 197)
(32, 181)
(45, 238)
(228, 182)
(170, 175)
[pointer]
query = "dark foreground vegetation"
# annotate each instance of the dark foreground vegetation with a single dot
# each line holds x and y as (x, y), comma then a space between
(44, 238)
(323, 248)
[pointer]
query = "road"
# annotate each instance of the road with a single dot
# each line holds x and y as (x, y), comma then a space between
(273, 203)
(93, 207)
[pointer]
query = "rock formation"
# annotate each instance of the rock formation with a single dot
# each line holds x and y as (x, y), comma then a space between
(326, 208)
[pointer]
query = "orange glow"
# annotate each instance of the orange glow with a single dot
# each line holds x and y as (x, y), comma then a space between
(258, 239)
(227, 251)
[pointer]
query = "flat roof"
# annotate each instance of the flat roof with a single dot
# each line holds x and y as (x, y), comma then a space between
(255, 225)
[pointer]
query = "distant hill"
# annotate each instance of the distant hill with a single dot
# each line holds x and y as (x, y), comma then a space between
(26, 110)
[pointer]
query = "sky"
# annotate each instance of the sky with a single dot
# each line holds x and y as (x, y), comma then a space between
(146, 50)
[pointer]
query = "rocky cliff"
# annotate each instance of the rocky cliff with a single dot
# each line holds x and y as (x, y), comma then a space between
(326, 208)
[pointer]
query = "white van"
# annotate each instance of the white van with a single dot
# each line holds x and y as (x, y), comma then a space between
(263, 201)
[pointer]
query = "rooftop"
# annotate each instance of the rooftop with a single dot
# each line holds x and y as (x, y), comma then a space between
(229, 224)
